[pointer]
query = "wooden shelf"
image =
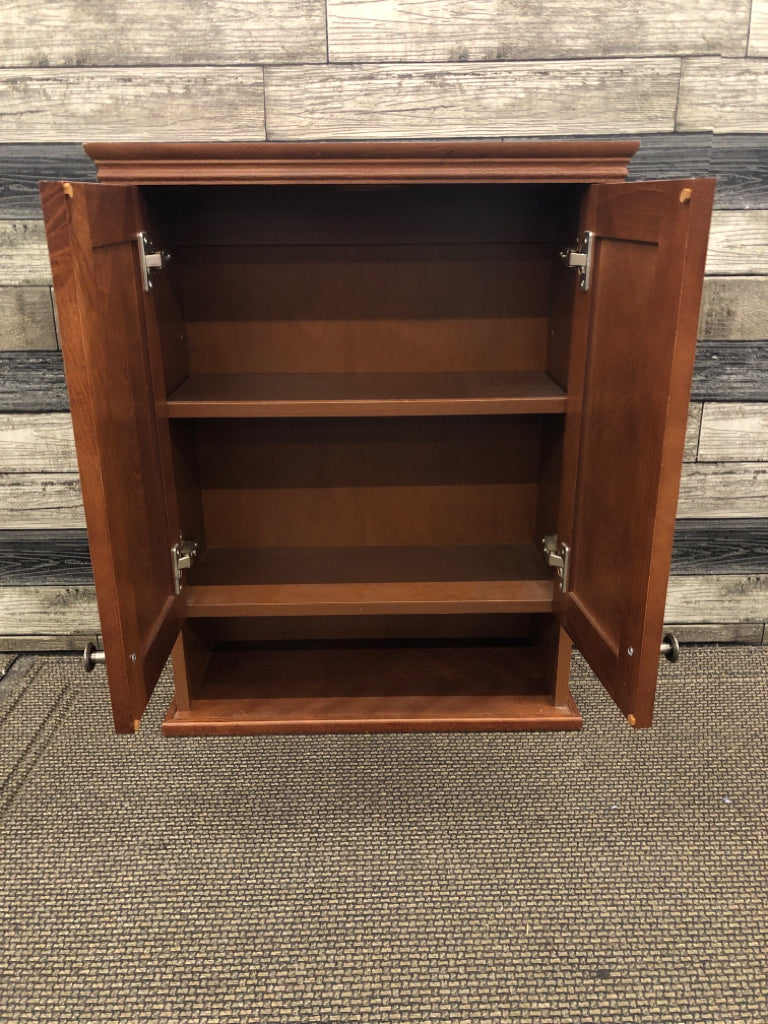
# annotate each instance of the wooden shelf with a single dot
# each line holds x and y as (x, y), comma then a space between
(373, 688)
(370, 581)
(365, 394)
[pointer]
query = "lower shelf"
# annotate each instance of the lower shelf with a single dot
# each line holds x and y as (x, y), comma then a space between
(353, 688)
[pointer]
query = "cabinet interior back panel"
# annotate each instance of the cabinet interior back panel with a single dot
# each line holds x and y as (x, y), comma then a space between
(373, 309)
(307, 483)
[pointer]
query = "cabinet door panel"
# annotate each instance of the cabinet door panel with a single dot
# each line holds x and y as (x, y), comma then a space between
(633, 345)
(103, 315)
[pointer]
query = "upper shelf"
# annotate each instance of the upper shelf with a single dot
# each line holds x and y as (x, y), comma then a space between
(365, 394)
(370, 163)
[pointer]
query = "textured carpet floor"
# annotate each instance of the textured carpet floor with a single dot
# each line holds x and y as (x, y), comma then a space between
(607, 876)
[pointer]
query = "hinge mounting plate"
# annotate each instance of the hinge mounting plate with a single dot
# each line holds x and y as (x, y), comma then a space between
(581, 259)
(183, 555)
(558, 555)
(150, 259)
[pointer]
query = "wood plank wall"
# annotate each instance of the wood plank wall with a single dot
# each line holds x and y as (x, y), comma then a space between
(690, 79)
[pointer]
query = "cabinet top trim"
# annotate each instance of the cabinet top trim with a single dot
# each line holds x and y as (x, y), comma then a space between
(373, 163)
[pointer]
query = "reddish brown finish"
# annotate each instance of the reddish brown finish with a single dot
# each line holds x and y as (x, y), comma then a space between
(91, 234)
(365, 394)
(367, 406)
(373, 689)
(360, 162)
(630, 382)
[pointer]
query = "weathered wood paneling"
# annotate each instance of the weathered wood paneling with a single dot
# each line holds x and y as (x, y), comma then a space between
(31, 443)
(32, 382)
(728, 491)
(35, 501)
(50, 641)
(142, 104)
(738, 242)
(741, 166)
(44, 558)
(723, 95)
(758, 29)
(716, 633)
(717, 599)
(486, 30)
(48, 611)
(732, 370)
(26, 319)
(23, 253)
(734, 433)
(692, 432)
(37, 33)
(734, 309)
(671, 155)
(447, 100)
(705, 547)
(23, 166)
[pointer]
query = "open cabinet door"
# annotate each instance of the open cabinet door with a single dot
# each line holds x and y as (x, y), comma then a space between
(92, 237)
(632, 353)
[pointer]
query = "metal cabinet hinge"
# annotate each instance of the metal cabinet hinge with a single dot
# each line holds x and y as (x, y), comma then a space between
(558, 556)
(183, 555)
(581, 258)
(150, 259)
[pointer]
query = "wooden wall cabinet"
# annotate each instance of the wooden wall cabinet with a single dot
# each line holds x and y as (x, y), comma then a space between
(329, 399)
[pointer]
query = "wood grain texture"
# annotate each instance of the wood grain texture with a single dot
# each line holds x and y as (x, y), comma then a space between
(717, 599)
(49, 641)
(37, 444)
(48, 610)
(23, 253)
(717, 632)
(758, 29)
(23, 166)
(692, 432)
(734, 371)
(35, 501)
(706, 547)
(732, 432)
(734, 309)
(44, 558)
(32, 382)
(26, 318)
(486, 30)
(141, 104)
(35, 33)
(727, 491)
(672, 155)
(470, 100)
(740, 163)
(722, 95)
(738, 242)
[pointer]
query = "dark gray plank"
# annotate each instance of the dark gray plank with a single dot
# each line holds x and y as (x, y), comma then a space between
(740, 163)
(704, 547)
(731, 371)
(34, 558)
(22, 166)
(26, 318)
(32, 382)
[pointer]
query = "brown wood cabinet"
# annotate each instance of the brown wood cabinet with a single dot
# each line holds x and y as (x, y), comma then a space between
(329, 400)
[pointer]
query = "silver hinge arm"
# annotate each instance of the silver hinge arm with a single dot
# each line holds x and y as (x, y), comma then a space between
(150, 259)
(183, 555)
(557, 555)
(581, 259)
